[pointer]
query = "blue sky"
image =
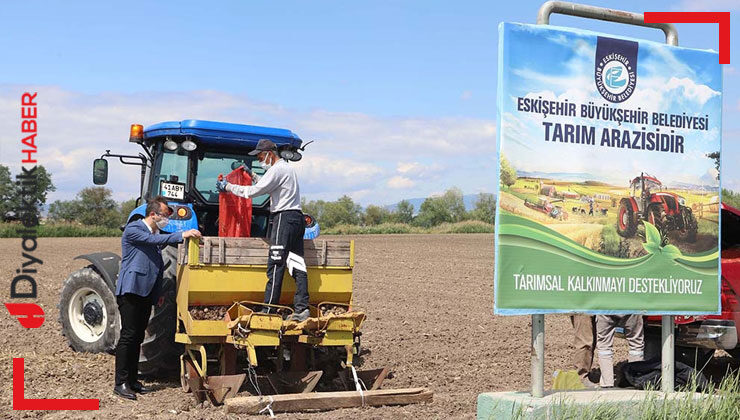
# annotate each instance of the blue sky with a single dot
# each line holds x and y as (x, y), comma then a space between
(400, 96)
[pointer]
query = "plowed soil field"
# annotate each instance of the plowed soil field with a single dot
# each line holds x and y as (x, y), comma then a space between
(429, 300)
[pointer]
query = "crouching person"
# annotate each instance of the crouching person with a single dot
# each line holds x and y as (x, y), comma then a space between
(633, 331)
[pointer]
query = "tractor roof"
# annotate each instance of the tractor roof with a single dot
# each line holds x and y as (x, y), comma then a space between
(213, 133)
(648, 178)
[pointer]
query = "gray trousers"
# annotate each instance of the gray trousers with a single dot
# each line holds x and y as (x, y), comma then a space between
(633, 331)
(584, 342)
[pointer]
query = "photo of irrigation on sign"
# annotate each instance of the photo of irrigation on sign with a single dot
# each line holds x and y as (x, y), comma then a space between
(608, 149)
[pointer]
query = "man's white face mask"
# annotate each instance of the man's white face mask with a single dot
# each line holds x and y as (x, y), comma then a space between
(161, 223)
(264, 164)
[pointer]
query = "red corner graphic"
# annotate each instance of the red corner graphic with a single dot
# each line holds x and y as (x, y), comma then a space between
(723, 18)
(21, 403)
(30, 315)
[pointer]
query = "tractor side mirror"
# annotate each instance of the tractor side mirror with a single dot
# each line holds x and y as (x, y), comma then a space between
(100, 171)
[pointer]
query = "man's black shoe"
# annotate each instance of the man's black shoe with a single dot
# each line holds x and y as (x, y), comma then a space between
(124, 391)
(140, 389)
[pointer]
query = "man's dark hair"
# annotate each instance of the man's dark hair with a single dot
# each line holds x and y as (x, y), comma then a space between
(154, 205)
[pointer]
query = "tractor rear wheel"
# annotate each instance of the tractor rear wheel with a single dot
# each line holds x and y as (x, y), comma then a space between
(690, 227)
(626, 223)
(88, 312)
(159, 352)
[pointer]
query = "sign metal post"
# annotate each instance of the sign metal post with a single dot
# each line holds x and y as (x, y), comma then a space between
(538, 355)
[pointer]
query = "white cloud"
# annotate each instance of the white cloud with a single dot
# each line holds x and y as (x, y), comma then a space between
(400, 182)
(320, 173)
(466, 95)
(399, 138)
(419, 170)
(408, 167)
(691, 90)
(354, 153)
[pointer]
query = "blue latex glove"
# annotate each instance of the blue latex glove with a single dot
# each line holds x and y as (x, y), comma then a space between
(221, 185)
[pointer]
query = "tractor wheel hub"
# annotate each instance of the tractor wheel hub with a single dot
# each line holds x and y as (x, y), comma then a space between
(93, 313)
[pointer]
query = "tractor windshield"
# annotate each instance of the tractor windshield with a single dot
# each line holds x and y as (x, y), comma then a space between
(212, 164)
(652, 185)
(173, 168)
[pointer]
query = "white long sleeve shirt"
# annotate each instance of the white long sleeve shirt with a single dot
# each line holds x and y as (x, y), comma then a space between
(280, 181)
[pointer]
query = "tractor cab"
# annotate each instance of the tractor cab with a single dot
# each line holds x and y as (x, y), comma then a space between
(642, 187)
(183, 160)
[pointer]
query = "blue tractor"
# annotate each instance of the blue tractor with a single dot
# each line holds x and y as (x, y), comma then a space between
(181, 161)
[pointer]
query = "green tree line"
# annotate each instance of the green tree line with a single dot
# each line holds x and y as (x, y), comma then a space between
(434, 211)
(93, 206)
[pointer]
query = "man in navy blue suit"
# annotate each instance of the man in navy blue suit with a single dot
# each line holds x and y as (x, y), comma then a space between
(139, 281)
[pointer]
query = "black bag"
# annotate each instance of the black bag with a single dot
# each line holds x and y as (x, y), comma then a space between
(647, 374)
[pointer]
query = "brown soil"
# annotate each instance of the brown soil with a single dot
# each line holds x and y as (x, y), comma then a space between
(429, 301)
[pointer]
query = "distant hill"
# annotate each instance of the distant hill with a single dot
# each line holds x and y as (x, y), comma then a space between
(469, 201)
(590, 179)
(693, 187)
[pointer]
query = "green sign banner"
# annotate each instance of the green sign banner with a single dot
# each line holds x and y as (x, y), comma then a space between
(609, 194)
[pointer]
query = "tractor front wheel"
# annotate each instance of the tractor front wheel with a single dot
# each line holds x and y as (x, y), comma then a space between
(655, 217)
(626, 223)
(88, 312)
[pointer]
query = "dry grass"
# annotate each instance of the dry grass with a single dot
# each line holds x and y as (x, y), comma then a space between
(588, 235)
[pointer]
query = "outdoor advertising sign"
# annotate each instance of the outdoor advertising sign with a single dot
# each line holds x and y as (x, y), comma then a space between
(609, 191)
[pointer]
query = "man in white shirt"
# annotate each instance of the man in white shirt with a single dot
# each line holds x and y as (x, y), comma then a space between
(286, 228)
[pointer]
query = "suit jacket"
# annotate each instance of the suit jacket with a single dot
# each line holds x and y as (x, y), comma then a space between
(141, 259)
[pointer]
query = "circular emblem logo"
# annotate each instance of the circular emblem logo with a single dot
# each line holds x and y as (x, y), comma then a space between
(615, 77)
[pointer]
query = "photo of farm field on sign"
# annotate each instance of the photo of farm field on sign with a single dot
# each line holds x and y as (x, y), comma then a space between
(609, 219)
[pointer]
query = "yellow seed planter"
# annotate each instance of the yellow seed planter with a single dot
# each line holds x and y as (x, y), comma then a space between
(231, 272)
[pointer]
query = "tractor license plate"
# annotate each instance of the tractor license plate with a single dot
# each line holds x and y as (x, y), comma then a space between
(172, 190)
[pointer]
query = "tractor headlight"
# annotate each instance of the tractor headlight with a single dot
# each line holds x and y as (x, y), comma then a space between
(170, 145)
(189, 145)
(681, 201)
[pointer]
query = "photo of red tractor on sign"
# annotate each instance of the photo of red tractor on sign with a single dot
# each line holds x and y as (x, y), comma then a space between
(663, 209)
